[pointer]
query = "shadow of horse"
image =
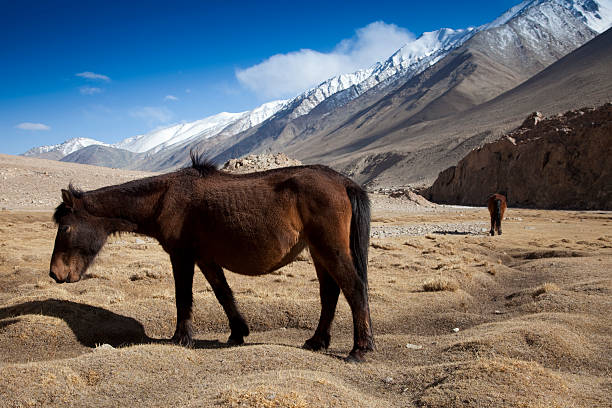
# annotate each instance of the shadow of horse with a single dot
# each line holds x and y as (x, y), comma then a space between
(92, 325)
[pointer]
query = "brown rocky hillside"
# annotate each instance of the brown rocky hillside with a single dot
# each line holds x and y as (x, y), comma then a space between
(562, 162)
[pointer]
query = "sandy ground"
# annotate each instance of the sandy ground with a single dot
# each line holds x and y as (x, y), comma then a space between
(460, 318)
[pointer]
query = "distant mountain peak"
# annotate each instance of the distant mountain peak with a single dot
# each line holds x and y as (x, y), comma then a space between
(596, 14)
(65, 148)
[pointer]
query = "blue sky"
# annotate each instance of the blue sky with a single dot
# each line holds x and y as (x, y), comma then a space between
(114, 69)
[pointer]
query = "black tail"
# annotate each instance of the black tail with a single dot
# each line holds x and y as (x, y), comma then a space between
(498, 214)
(360, 229)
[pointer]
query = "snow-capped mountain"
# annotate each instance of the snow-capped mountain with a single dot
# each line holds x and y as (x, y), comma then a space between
(253, 118)
(494, 58)
(411, 59)
(159, 139)
(228, 123)
(596, 14)
(65, 148)
(430, 47)
(441, 73)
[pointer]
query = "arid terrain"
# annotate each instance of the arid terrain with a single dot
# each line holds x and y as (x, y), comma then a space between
(460, 318)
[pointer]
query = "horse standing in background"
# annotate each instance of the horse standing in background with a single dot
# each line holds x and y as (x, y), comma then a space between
(497, 206)
(251, 224)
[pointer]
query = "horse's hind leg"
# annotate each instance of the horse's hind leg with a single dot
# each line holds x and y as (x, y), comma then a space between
(215, 276)
(501, 217)
(340, 266)
(182, 269)
(329, 292)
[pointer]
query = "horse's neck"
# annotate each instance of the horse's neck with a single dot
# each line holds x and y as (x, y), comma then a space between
(135, 202)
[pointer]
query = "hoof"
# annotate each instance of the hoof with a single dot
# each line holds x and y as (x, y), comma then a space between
(182, 340)
(235, 341)
(239, 330)
(492, 232)
(355, 356)
(315, 344)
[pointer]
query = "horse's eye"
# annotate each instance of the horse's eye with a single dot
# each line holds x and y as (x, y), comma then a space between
(65, 228)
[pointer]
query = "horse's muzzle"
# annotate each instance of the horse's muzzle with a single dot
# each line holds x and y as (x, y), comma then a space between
(55, 278)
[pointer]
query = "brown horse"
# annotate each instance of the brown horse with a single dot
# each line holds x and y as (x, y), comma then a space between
(497, 206)
(251, 224)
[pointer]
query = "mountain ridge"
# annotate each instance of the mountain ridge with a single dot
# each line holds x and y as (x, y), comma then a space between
(351, 117)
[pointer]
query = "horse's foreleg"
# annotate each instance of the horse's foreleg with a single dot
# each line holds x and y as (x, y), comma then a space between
(216, 278)
(182, 269)
(329, 292)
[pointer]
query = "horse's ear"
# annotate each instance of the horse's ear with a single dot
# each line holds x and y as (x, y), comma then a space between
(68, 198)
(71, 200)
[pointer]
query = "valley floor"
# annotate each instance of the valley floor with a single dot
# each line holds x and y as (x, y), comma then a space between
(460, 319)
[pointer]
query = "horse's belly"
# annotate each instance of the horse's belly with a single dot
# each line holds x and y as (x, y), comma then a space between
(259, 259)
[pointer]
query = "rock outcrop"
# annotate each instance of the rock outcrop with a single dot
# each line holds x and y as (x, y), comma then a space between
(259, 162)
(562, 162)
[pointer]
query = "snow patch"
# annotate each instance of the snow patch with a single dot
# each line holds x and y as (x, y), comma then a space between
(65, 148)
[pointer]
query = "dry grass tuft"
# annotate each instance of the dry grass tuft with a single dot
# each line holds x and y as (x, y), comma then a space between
(262, 398)
(382, 245)
(545, 288)
(439, 284)
(304, 256)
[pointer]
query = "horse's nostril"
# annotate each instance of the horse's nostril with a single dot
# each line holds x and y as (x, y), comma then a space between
(55, 278)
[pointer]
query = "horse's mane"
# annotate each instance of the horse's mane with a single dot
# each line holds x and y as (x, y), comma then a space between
(203, 165)
(63, 209)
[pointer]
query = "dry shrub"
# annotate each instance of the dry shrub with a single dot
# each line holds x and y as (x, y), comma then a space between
(440, 284)
(382, 245)
(545, 288)
(304, 256)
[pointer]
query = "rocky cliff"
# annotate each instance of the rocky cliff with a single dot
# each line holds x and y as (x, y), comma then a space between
(561, 162)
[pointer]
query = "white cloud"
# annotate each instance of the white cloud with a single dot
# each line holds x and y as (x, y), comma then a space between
(170, 98)
(89, 90)
(286, 75)
(93, 75)
(152, 114)
(32, 126)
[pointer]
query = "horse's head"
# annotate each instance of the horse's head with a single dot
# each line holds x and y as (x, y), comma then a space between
(80, 236)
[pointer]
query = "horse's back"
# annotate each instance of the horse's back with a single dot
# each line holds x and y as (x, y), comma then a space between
(313, 185)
